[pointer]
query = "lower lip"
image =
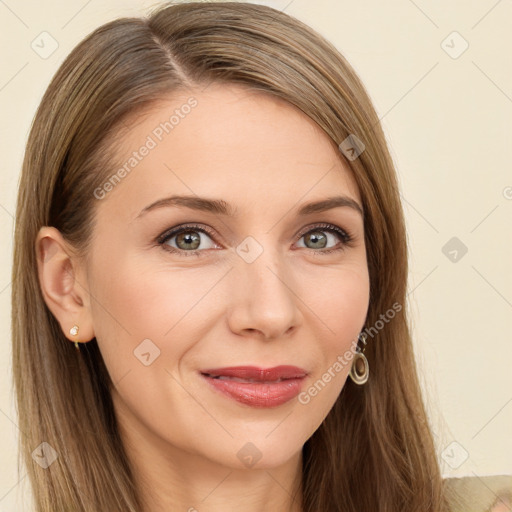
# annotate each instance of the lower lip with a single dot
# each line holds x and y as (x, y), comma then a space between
(258, 394)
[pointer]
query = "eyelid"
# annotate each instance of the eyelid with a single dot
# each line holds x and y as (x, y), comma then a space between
(322, 225)
(176, 230)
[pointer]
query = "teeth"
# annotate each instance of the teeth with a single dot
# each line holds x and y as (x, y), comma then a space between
(236, 379)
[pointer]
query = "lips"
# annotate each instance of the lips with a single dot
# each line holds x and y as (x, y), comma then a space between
(257, 387)
(255, 374)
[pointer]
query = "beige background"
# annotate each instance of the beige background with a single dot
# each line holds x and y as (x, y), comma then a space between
(448, 120)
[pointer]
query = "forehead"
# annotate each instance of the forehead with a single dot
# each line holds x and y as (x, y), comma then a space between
(227, 141)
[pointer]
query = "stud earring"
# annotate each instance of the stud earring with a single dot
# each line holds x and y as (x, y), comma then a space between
(74, 331)
(360, 369)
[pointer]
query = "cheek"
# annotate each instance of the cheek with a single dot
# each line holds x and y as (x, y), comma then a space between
(340, 310)
(340, 300)
(138, 301)
(134, 295)
(127, 303)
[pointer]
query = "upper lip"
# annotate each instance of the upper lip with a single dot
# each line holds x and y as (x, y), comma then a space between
(258, 374)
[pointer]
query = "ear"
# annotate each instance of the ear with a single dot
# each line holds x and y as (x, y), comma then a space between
(63, 284)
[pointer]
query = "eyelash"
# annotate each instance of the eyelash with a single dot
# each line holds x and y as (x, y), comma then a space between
(345, 236)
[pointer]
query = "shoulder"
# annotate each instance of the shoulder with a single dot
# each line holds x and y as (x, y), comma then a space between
(479, 493)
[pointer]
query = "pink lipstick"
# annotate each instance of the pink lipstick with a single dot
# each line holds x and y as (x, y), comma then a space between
(258, 387)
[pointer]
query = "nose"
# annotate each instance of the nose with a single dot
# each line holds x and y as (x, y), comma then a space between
(264, 299)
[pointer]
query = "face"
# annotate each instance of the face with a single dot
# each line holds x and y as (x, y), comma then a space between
(256, 283)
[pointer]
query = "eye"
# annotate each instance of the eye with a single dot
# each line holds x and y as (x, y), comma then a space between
(316, 236)
(185, 240)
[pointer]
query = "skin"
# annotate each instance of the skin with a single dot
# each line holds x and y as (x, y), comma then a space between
(291, 305)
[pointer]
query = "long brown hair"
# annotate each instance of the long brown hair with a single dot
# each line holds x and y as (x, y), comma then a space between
(374, 450)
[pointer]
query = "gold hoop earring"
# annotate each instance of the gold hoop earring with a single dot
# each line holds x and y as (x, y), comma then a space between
(360, 369)
(74, 332)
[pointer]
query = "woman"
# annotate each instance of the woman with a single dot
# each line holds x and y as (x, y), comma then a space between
(208, 211)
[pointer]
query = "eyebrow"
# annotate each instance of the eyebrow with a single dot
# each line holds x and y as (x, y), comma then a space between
(221, 207)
